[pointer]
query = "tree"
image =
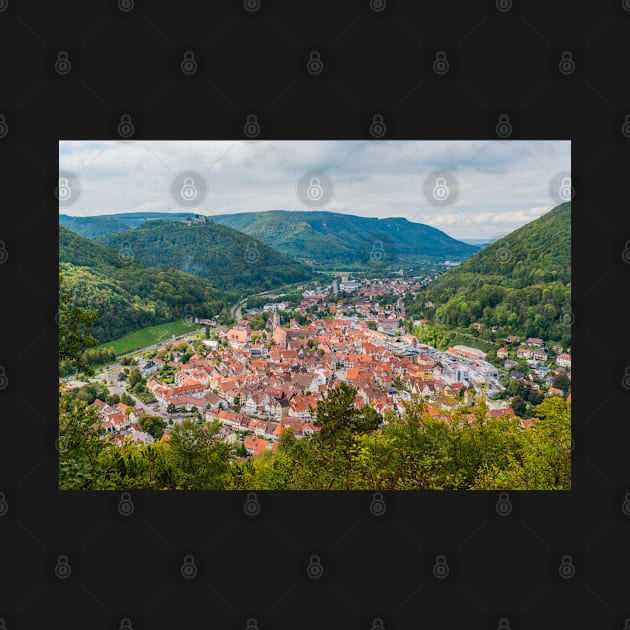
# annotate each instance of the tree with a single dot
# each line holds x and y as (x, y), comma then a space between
(519, 406)
(89, 393)
(112, 399)
(153, 425)
(340, 425)
(139, 388)
(134, 377)
(561, 381)
(126, 399)
(80, 446)
(200, 461)
(338, 418)
(371, 324)
(75, 335)
(81, 442)
(542, 460)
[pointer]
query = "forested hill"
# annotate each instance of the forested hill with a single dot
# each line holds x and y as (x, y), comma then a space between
(127, 294)
(83, 252)
(521, 283)
(334, 240)
(89, 227)
(228, 259)
(539, 251)
(93, 226)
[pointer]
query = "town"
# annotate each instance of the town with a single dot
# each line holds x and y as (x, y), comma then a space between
(267, 372)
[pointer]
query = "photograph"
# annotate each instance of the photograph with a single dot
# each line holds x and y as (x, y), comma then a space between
(258, 315)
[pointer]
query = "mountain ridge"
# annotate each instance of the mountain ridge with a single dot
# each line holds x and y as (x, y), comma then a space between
(227, 258)
(521, 283)
(127, 294)
(328, 239)
(319, 238)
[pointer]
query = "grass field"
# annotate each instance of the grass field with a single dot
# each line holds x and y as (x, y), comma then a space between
(149, 336)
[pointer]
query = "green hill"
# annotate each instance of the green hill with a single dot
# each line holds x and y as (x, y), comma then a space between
(127, 294)
(329, 240)
(228, 259)
(521, 283)
(91, 227)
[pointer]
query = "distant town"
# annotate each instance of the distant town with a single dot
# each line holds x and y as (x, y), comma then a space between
(267, 372)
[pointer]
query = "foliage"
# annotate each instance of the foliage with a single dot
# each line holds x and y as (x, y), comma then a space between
(97, 356)
(89, 393)
(521, 283)
(89, 227)
(80, 446)
(75, 333)
(200, 461)
(127, 294)
(153, 425)
(224, 257)
(331, 240)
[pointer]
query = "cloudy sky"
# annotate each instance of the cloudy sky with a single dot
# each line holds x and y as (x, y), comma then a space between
(494, 186)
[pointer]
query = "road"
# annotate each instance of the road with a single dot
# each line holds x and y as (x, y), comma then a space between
(235, 311)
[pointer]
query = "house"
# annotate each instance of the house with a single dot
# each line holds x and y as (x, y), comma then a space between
(499, 413)
(554, 391)
(238, 337)
(564, 360)
(212, 400)
(467, 352)
(524, 353)
(502, 353)
(293, 424)
(256, 402)
(299, 409)
(526, 423)
(259, 428)
(534, 341)
(308, 428)
(188, 402)
(100, 405)
(227, 435)
(135, 413)
(149, 368)
(119, 420)
(140, 436)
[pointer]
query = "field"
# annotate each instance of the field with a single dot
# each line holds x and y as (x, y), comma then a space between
(149, 336)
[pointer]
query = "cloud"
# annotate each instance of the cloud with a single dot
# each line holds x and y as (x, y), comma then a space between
(502, 185)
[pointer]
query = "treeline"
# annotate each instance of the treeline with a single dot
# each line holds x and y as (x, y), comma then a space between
(521, 283)
(127, 300)
(537, 311)
(341, 241)
(93, 356)
(350, 451)
(226, 258)
(126, 294)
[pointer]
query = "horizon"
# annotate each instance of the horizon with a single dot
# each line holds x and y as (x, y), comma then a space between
(490, 237)
(493, 187)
